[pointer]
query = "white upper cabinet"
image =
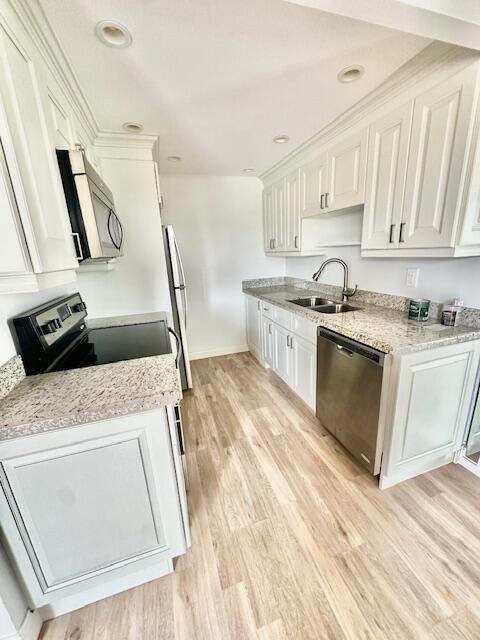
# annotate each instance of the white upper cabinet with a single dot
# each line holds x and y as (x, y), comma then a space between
(439, 138)
(335, 180)
(387, 165)
(410, 155)
(39, 210)
(416, 202)
(268, 219)
(292, 212)
(313, 185)
(281, 210)
(346, 164)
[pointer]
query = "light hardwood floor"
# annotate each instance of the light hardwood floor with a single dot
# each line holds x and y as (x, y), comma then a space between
(292, 539)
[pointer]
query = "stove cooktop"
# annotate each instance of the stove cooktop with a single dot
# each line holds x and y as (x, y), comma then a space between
(113, 344)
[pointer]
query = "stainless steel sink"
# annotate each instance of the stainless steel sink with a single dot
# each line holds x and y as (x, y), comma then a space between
(335, 308)
(313, 301)
(323, 305)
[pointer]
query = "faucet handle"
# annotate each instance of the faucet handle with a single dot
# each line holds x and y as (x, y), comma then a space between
(348, 293)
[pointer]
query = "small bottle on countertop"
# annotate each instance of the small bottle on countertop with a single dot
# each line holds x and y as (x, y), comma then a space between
(450, 312)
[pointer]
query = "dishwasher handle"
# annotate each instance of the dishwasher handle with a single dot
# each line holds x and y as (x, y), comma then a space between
(348, 347)
(344, 351)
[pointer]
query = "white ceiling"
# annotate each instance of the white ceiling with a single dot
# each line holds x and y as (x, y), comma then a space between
(217, 79)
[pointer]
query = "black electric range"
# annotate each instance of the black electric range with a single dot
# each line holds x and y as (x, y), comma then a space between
(55, 337)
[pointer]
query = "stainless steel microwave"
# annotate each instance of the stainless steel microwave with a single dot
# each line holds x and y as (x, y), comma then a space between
(96, 228)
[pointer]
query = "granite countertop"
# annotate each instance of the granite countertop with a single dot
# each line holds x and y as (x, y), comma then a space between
(380, 327)
(49, 401)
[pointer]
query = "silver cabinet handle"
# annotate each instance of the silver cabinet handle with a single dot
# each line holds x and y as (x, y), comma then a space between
(274, 242)
(258, 305)
(265, 308)
(326, 200)
(295, 243)
(402, 225)
(392, 227)
(288, 341)
(270, 328)
(321, 200)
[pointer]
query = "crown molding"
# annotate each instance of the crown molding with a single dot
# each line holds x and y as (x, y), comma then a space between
(33, 19)
(428, 61)
(130, 140)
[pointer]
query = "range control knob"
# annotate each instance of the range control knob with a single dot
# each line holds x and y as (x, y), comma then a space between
(51, 326)
(78, 306)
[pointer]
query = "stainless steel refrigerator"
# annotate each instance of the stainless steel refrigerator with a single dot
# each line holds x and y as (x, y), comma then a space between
(178, 297)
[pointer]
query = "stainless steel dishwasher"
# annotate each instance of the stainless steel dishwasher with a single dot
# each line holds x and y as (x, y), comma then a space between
(349, 386)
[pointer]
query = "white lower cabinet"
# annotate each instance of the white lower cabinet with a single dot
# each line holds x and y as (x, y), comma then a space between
(281, 352)
(429, 394)
(88, 506)
(304, 369)
(287, 346)
(267, 341)
(254, 326)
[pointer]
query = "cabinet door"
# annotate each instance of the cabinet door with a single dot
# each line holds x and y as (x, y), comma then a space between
(22, 90)
(430, 406)
(88, 508)
(268, 219)
(347, 163)
(313, 183)
(387, 165)
(254, 329)
(441, 122)
(267, 341)
(14, 256)
(279, 218)
(281, 353)
(292, 212)
(304, 369)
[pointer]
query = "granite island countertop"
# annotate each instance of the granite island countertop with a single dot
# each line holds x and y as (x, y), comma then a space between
(386, 329)
(71, 398)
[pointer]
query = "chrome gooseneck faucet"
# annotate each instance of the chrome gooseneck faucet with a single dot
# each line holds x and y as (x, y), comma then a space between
(346, 293)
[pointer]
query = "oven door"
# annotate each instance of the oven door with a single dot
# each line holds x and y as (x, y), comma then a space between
(103, 229)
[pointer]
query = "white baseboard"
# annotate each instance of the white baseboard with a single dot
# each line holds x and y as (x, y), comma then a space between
(30, 627)
(212, 353)
(81, 599)
(471, 466)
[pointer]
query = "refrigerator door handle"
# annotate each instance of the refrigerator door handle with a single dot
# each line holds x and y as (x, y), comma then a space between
(182, 272)
(179, 346)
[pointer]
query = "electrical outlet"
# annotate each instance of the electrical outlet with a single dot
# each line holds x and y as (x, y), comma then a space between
(412, 277)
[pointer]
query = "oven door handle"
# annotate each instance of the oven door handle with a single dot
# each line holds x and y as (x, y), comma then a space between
(179, 346)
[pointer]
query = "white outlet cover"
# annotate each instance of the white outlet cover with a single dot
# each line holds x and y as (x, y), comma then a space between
(412, 277)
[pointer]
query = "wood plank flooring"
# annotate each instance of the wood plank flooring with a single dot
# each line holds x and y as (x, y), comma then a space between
(292, 539)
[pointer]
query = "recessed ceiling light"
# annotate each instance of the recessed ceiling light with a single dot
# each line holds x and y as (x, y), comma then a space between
(248, 170)
(281, 139)
(174, 159)
(350, 74)
(132, 127)
(113, 34)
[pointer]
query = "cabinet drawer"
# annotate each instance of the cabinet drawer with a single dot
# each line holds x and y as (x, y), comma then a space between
(267, 309)
(282, 317)
(304, 328)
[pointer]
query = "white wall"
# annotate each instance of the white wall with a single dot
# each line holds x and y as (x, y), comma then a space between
(440, 279)
(138, 282)
(218, 223)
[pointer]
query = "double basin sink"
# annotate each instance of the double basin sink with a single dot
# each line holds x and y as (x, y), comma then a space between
(323, 305)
